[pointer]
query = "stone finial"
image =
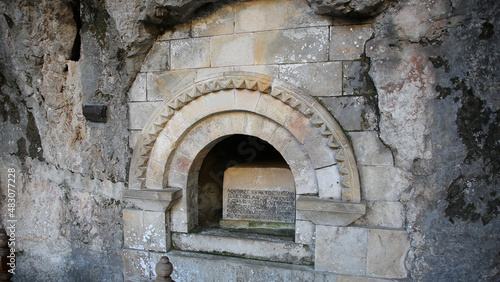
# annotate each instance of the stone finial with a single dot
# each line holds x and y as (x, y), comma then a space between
(4, 252)
(163, 270)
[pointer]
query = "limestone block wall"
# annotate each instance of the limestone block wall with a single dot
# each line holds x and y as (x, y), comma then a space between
(325, 57)
(285, 40)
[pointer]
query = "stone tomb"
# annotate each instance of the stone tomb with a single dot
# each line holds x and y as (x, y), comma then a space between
(259, 196)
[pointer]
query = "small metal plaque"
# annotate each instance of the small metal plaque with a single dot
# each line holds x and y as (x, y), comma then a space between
(95, 113)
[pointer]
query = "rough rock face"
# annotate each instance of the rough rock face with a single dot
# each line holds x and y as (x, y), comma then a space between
(55, 57)
(434, 66)
(349, 8)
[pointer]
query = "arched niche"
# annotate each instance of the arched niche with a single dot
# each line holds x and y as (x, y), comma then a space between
(243, 165)
(192, 120)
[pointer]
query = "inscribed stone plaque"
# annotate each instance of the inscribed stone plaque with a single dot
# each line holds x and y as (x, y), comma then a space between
(259, 192)
(262, 205)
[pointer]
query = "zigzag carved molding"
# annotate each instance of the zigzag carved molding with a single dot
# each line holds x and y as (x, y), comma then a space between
(303, 103)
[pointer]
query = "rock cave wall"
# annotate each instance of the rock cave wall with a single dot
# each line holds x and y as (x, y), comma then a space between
(432, 64)
(447, 131)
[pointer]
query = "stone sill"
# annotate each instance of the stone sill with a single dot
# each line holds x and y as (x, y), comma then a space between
(271, 228)
(153, 199)
(255, 246)
(329, 212)
(211, 260)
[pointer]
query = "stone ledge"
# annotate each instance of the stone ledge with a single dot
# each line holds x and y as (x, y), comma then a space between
(271, 228)
(329, 212)
(189, 266)
(153, 199)
(244, 245)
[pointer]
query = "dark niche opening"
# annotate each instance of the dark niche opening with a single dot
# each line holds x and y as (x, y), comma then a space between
(75, 51)
(234, 151)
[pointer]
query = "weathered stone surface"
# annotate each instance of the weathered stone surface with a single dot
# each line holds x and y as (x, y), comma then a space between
(387, 250)
(301, 127)
(247, 100)
(299, 15)
(353, 113)
(320, 79)
(383, 214)
(220, 101)
(153, 200)
(218, 23)
(344, 249)
(329, 182)
(133, 229)
(155, 235)
(137, 92)
(443, 147)
(300, 164)
(271, 70)
(204, 267)
(154, 180)
(328, 212)
(136, 265)
(292, 46)
(411, 85)
(87, 213)
(134, 135)
(304, 232)
(320, 153)
(197, 110)
(419, 20)
(175, 126)
(272, 108)
(348, 42)
(345, 278)
(206, 72)
(356, 80)
(383, 182)
(260, 16)
(190, 53)
(179, 170)
(369, 150)
(180, 31)
(232, 50)
(160, 85)
(78, 56)
(350, 8)
(220, 242)
(137, 119)
(166, 12)
(158, 58)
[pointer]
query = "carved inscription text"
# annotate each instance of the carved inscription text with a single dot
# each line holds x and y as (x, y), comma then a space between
(261, 205)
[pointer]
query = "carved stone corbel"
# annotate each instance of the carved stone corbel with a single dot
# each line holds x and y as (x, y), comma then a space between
(329, 212)
(160, 200)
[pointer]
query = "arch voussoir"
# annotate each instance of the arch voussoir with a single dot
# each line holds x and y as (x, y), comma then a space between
(251, 93)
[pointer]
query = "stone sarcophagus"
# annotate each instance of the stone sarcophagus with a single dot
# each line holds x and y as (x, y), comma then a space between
(258, 195)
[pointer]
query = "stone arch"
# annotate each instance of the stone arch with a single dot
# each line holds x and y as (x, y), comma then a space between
(242, 95)
(185, 161)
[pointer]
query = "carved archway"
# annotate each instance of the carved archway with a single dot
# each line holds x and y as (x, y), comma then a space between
(194, 118)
